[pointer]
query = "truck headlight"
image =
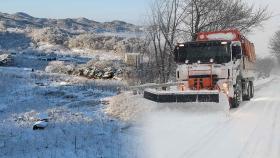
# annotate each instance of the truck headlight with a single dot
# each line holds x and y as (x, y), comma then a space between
(225, 88)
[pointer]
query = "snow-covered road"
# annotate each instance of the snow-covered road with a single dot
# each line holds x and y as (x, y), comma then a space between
(251, 131)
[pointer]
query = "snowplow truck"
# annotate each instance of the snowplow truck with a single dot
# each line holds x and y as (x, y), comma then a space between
(217, 63)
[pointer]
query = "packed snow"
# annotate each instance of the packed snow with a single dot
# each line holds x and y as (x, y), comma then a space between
(248, 131)
(204, 129)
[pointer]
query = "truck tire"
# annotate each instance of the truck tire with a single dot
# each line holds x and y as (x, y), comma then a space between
(248, 91)
(237, 98)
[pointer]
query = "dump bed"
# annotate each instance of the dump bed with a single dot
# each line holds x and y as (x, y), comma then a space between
(230, 35)
(248, 49)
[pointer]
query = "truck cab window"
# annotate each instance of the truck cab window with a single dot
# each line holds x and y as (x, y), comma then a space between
(236, 52)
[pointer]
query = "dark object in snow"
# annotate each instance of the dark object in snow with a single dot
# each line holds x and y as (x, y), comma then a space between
(105, 101)
(28, 69)
(40, 84)
(5, 59)
(119, 90)
(40, 125)
(134, 92)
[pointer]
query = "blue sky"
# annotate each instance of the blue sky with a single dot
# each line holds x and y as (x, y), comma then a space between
(132, 11)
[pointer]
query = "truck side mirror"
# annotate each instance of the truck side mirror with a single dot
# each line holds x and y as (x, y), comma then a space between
(236, 52)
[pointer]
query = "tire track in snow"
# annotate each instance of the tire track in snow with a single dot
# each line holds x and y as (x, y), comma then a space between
(251, 131)
(261, 137)
(252, 144)
(273, 145)
(202, 140)
(266, 110)
(256, 143)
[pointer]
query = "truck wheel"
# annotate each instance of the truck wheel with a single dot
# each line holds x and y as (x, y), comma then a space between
(252, 89)
(237, 98)
(248, 90)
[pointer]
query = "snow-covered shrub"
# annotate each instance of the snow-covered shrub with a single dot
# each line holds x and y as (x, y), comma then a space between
(264, 67)
(50, 35)
(108, 43)
(92, 41)
(93, 69)
(274, 45)
(2, 26)
(131, 45)
(82, 41)
(59, 67)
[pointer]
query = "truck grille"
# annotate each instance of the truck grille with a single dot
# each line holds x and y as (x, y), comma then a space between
(202, 82)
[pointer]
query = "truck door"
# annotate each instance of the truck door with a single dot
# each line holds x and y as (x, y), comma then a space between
(236, 51)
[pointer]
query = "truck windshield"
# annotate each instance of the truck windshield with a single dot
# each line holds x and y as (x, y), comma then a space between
(203, 52)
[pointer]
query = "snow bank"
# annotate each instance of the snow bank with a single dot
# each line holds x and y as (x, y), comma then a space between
(127, 106)
(262, 81)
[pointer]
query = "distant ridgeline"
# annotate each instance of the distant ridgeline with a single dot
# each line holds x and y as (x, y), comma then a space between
(20, 30)
(23, 20)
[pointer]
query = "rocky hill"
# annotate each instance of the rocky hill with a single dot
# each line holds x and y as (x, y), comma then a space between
(22, 21)
(20, 30)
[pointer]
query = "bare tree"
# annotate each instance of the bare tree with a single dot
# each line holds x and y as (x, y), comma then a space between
(212, 15)
(275, 45)
(264, 67)
(163, 31)
(176, 20)
(2, 26)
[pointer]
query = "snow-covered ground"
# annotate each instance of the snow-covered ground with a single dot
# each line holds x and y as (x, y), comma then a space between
(130, 127)
(204, 129)
(252, 130)
(78, 126)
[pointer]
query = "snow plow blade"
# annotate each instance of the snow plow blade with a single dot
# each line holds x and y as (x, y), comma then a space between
(181, 97)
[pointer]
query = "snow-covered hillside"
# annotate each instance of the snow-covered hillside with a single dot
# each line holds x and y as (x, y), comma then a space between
(21, 31)
(78, 126)
(22, 20)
